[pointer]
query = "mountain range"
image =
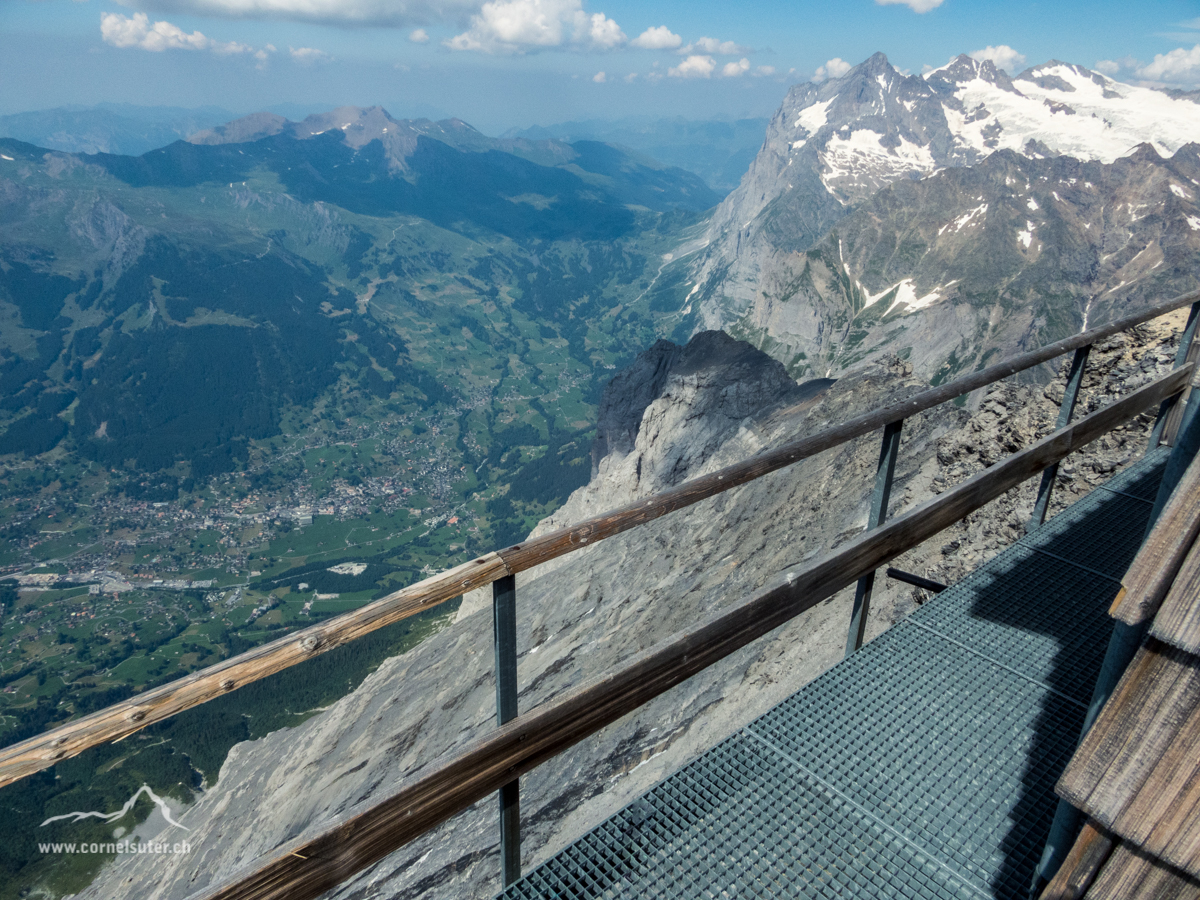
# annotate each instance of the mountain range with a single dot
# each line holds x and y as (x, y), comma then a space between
(184, 251)
(917, 212)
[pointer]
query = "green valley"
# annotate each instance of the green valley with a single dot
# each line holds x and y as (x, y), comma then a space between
(251, 385)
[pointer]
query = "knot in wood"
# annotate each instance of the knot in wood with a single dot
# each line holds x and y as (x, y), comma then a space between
(137, 715)
(227, 684)
(310, 643)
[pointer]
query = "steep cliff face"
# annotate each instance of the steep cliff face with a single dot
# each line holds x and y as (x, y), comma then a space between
(716, 402)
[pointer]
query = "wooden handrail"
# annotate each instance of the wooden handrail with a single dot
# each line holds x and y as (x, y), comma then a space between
(125, 718)
(307, 867)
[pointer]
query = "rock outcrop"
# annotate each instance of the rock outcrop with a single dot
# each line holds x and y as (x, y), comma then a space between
(711, 403)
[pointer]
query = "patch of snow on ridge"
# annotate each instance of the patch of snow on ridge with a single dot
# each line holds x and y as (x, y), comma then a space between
(906, 296)
(859, 159)
(1180, 192)
(1026, 236)
(1101, 128)
(1194, 222)
(813, 118)
(965, 219)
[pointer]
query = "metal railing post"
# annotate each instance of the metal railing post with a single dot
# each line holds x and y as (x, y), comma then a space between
(504, 620)
(879, 504)
(1181, 356)
(1065, 411)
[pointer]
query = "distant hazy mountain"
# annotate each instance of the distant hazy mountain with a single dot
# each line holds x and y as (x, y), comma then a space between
(919, 207)
(254, 266)
(720, 152)
(109, 127)
(629, 177)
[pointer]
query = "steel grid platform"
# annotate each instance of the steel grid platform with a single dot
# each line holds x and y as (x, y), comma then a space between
(923, 766)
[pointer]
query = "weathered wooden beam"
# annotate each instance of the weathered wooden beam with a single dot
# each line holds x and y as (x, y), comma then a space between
(159, 703)
(307, 867)
(125, 718)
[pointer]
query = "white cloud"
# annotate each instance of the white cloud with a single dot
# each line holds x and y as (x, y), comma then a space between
(308, 56)
(1179, 66)
(918, 6)
(599, 78)
(1108, 66)
(695, 66)
(765, 71)
(1001, 56)
(734, 69)
(659, 37)
(397, 13)
(712, 45)
(518, 26)
(833, 68)
(631, 77)
(419, 36)
(138, 31)
(604, 33)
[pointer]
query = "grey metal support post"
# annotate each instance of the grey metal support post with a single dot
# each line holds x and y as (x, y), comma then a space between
(504, 618)
(879, 505)
(1070, 395)
(1181, 355)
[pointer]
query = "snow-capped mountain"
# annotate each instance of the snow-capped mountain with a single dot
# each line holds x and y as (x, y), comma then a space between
(833, 147)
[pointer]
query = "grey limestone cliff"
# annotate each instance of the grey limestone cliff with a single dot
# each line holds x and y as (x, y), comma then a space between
(697, 408)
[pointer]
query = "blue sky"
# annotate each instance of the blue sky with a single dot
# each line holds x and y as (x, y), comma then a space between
(505, 63)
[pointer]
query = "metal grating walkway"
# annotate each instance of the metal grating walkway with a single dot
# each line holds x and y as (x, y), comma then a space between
(921, 767)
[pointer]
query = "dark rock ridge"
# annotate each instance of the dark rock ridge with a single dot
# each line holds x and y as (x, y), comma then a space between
(732, 381)
(580, 616)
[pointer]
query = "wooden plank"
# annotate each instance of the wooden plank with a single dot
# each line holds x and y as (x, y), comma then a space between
(1087, 855)
(1178, 620)
(528, 554)
(1137, 729)
(1163, 817)
(1130, 874)
(159, 703)
(307, 867)
(1158, 562)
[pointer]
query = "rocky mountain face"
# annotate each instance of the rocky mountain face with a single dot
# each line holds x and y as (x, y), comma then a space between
(862, 159)
(980, 262)
(678, 413)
